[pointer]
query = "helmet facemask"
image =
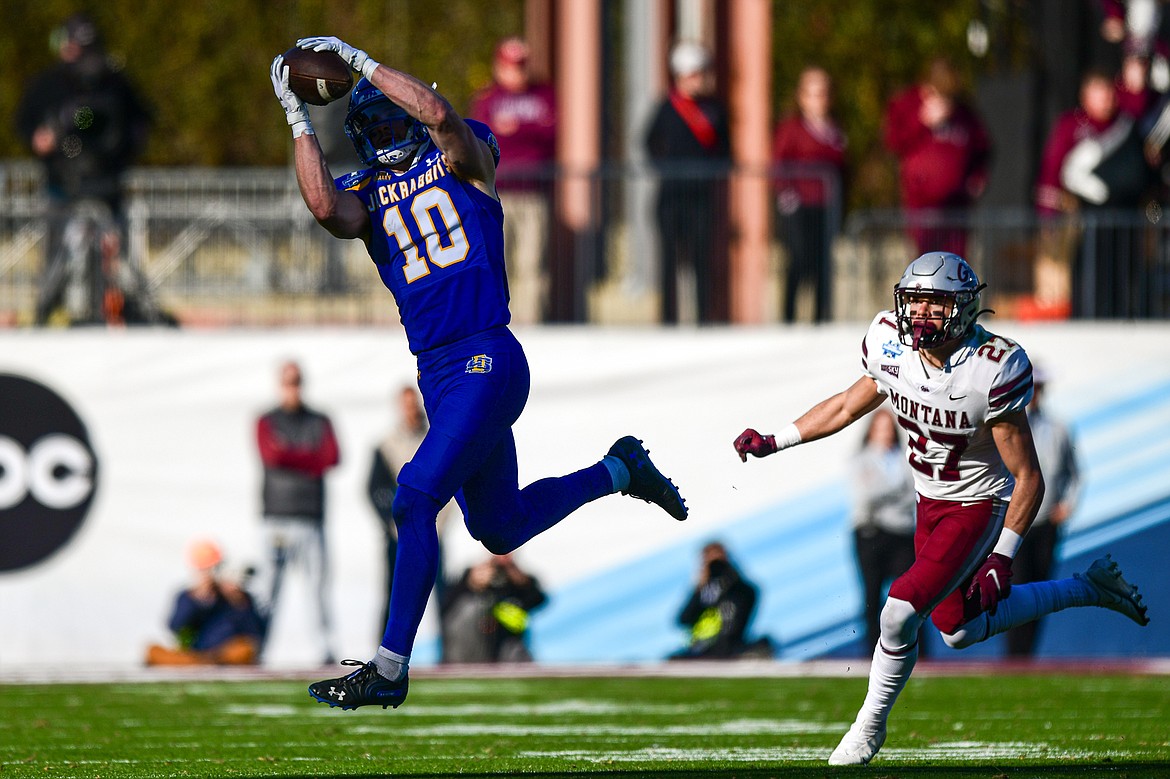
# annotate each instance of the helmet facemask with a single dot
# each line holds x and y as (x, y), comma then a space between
(917, 333)
(945, 279)
(382, 133)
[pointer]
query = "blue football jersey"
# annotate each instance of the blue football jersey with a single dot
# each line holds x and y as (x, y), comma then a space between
(438, 244)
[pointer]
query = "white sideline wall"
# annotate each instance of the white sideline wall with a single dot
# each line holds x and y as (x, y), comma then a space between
(171, 418)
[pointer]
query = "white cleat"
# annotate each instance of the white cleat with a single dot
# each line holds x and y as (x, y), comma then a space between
(1104, 576)
(859, 745)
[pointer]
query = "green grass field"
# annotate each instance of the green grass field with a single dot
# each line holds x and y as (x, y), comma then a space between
(979, 725)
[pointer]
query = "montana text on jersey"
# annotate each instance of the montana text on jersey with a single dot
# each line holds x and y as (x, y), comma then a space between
(951, 450)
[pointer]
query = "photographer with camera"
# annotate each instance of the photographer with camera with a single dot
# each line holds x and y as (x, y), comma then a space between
(86, 123)
(719, 611)
(485, 613)
(215, 621)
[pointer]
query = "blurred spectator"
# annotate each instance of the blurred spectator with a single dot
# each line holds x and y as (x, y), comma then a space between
(689, 146)
(809, 148)
(1138, 27)
(215, 621)
(523, 117)
(86, 124)
(395, 450)
(1094, 162)
(485, 613)
(1135, 96)
(1058, 462)
(297, 447)
(883, 516)
(719, 611)
(943, 153)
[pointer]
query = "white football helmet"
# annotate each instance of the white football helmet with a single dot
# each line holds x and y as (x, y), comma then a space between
(945, 276)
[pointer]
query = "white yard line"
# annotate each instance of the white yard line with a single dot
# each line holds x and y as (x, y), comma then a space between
(845, 668)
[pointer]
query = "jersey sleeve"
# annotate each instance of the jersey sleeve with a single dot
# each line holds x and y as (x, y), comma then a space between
(355, 182)
(485, 134)
(1012, 388)
(880, 338)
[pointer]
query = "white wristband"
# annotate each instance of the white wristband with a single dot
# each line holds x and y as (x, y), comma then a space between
(299, 121)
(302, 127)
(368, 67)
(787, 437)
(1008, 543)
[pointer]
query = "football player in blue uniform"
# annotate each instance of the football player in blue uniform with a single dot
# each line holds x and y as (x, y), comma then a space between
(427, 210)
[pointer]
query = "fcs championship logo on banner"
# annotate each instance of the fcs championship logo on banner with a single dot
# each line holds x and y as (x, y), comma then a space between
(48, 472)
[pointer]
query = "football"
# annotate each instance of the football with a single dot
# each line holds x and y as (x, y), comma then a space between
(317, 77)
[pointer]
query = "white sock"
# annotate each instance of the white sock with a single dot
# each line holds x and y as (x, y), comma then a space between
(391, 665)
(887, 676)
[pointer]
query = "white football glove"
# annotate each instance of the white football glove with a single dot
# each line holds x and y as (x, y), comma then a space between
(358, 60)
(295, 111)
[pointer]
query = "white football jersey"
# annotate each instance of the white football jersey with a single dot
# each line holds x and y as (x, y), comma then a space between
(946, 412)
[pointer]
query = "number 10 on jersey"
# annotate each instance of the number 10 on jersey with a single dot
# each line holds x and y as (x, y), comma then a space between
(437, 223)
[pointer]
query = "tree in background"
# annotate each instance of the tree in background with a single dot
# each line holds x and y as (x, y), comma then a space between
(871, 50)
(203, 68)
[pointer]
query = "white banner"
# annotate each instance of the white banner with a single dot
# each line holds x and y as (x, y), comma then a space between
(171, 418)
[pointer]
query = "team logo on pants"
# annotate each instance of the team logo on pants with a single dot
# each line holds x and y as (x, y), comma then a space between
(480, 363)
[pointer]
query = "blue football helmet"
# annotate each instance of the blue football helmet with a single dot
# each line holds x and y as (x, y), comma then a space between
(950, 279)
(382, 133)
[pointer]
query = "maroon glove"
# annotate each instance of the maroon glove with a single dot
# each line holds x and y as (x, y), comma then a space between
(992, 583)
(751, 442)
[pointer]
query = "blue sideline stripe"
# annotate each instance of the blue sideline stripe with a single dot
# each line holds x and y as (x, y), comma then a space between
(1125, 472)
(1119, 439)
(601, 595)
(801, 549)
(1123, 484)
(1128, 525)
(835, 637)
(1105, 415)
(1126, 432)
(629, 612)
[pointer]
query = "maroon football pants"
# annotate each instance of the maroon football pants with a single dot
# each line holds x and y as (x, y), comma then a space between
(951, 540)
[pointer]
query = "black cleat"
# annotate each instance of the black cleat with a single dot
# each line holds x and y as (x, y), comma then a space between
(363, 687)
(646, 482)
(1113, 591)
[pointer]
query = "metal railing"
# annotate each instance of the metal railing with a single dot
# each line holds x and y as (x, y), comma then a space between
(230, 247)
(1096, 264)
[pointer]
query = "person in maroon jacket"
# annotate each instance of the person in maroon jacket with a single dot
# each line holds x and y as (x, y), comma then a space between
(943, 151)
(1094, 162)
(523, 117)
(297, 447)
(809, 151)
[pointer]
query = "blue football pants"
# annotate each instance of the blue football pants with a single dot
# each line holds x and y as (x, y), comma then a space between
(473, 391)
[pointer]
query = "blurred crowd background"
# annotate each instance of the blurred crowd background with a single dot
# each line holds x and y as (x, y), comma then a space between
(666, 163)
(213, 235)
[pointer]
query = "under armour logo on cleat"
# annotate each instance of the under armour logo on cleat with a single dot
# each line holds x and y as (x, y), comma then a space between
(339, 694)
